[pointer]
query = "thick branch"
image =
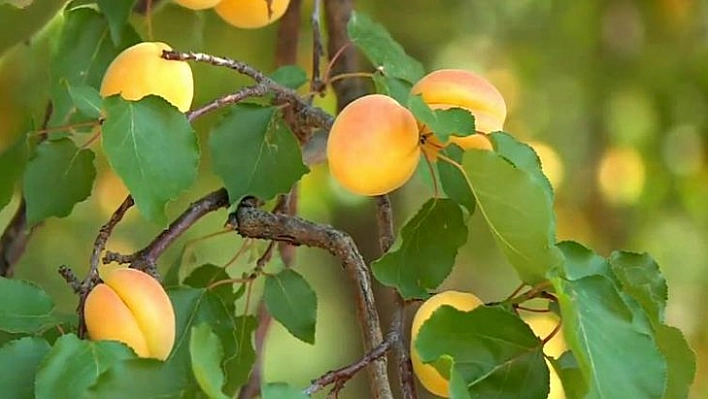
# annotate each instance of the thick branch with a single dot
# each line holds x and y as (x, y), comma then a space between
(258, 90)
(253, 222)
(14, 240)
(148, 256)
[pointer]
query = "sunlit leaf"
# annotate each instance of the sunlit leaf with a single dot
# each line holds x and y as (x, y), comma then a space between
(58, 176)
(12, 164)
(680, 361)
(291, 76)
(152, 147)
(292, 302)
(79, 361)
(117, 13)
(641, 278)
(87, 100)
(396, 88)
(452, 180)
(517, 211)
(83, 52)
(424, 253)
(493, 351)
(20, 360)
(574, 384)
(254, 153)
(382, 50)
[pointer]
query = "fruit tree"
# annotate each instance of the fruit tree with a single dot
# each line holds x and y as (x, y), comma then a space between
(172, 319)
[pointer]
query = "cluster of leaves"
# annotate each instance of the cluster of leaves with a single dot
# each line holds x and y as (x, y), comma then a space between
(612, 309)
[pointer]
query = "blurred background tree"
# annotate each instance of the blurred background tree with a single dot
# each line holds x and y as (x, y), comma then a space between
(612, 94)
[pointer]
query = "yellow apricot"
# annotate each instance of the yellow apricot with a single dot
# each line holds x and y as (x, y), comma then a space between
(140, 70)
(446, 88)
(132, 307)
(197, 4)
(251, 14)
(428, 376)
(373, 146)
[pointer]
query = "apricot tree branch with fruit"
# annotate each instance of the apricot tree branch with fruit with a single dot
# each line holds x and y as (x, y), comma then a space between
(186, 336)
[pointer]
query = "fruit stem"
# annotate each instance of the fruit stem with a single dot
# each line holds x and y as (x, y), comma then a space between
(64, 128)
(553, 333)
(350, 75)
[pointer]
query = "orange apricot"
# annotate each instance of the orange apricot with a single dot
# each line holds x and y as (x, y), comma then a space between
(373, 146)
(130, 306)
(140, 70)
(197, 4)
(251, 14)
(428, 375)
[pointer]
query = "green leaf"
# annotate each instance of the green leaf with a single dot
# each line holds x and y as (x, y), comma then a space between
(78, 361)
(196, 306)
(34, 17)
(397, 88)
(382, 50)
(281, 390)
(20, 359)
(117, 13)
(424, 252)
(292, 302)
(452, 180)
(571, 377)
(523, 157)
(641, 278)
(494, 352)
(616, 358)
(206, 353)
(152, 147)
(205, 275)
(254, 153)
(581, 262)
(137, 378)
(58, 176)
(86, 99)
(291, 76)
(24, 307)
(680, 360)
(238, 367)
(83, 52)
(442, 122)
(517, 211)
(12, 164)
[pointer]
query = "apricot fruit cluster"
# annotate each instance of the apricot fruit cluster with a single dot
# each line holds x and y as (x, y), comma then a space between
(140, 70)
(428, 375)
(245, 14)
(131, 307)
(456, 88)
(375, 143)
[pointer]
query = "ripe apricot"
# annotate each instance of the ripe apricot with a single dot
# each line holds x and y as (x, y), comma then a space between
(140, 70)
(448, 88)
(428, 376)
(373, 145)
(132, 307)
(197, 4)
(251, 14)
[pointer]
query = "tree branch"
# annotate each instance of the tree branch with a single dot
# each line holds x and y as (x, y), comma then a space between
(384, 219)
(147, 257)
(252, 222)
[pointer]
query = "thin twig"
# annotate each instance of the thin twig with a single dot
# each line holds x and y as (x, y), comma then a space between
(317, 84)
(341, 375)
(253, 386)
(252, 222)
(258, 90)
(384, 219)
(148, 256)
(99, 245)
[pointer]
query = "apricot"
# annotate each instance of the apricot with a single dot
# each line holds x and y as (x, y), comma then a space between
(428, 375)
(197, 4)
(373, 146)
(456, 88)
(140, 70)
(251, 14)
(131, 307)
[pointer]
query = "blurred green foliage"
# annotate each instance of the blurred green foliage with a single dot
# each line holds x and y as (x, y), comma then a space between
(617, 90)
